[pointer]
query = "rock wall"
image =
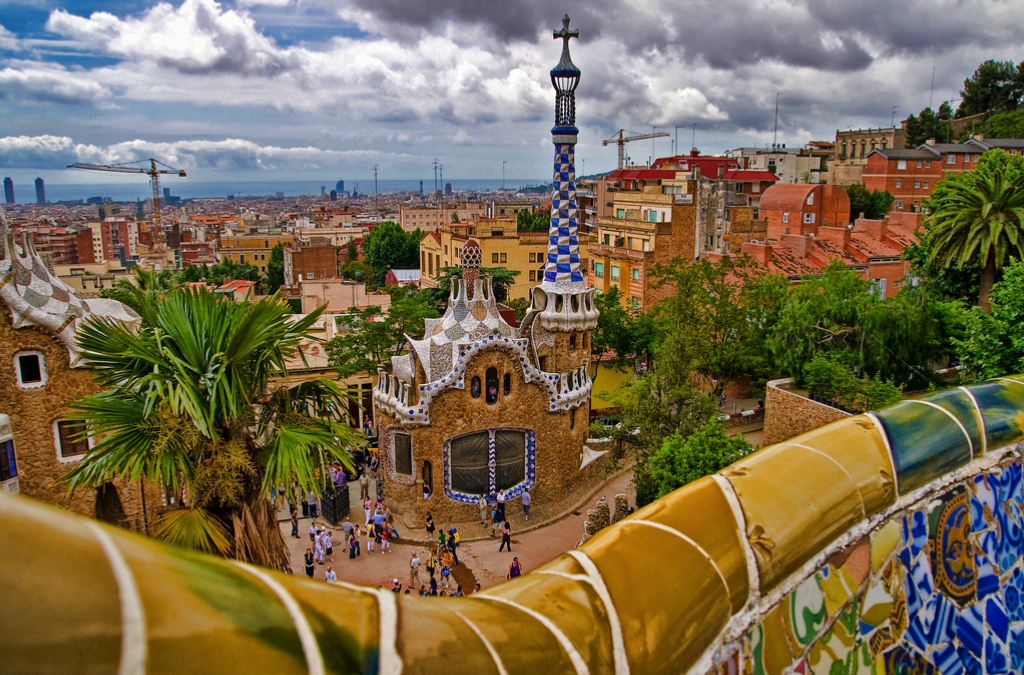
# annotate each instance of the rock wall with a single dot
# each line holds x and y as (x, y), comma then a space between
(788, 414)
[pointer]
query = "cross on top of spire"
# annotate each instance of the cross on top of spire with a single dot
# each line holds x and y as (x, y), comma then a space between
(566, 34)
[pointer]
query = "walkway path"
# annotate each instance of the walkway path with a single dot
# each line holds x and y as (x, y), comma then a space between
(480, 560)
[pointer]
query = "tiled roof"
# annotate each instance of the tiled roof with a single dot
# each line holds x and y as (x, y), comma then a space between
(788, 262)
(871, 248)
(826, 251)
(750, 175)
(785, 197)
(642, 174)
(906, 153)
(902, 236)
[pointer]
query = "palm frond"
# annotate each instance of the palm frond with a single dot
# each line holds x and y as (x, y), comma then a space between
(193, 528)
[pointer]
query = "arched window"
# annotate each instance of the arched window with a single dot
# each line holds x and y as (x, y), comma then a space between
(507, 384)
(474, 387)
(492, 385)
(572, 342)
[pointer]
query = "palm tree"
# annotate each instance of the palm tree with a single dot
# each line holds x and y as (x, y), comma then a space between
(978, 216)
(144, 290)
(189, 402)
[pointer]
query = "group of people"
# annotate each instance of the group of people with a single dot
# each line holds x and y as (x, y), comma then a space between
(321, 548)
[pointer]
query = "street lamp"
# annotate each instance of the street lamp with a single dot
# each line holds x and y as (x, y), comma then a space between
(503, 163)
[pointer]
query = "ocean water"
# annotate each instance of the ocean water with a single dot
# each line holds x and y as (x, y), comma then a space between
(140, 189)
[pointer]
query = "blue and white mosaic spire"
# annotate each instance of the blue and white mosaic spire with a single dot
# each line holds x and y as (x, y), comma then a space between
(562, 272)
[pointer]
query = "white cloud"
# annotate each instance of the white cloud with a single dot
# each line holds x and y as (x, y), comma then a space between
(33, 81)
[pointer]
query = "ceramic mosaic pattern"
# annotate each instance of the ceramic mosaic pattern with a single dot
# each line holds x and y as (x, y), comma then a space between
(38, 298)
(530, 463)
(710, 579)
(563, 262)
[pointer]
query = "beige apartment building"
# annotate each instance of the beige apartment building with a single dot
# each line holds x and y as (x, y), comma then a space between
(252, 249)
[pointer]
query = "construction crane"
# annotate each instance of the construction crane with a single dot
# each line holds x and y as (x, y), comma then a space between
(154, 177)
(620, 139)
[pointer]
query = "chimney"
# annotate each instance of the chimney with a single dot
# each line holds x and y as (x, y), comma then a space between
(840, 236)
(762, 253)
(930, 142)
(799, 243)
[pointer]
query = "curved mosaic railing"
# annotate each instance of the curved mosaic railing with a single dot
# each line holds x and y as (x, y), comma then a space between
(887, 542)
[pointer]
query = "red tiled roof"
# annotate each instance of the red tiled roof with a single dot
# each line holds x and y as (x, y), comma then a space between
(901, 236)
(785, 197)
(871, 248)
(236, 285)
(789, 262)
(642, 174)
(825, 251)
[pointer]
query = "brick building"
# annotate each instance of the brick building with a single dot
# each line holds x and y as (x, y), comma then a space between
(802, 209)
(911, 175)
(318, 260)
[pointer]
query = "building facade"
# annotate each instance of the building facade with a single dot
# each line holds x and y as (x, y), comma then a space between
(802, 209)
(477, 406)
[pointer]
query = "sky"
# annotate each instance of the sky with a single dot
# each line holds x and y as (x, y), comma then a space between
(328, 89)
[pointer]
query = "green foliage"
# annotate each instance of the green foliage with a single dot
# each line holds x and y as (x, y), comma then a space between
(275, 269)
(502, 280)
(1004, 125)
(144, 290)
(681, 460)
(521, 306)
(929, 125)
(387, 246)
(193, 528)
(978, 216)
(533, 221)
(874, 205)
(188, 398)
(993, 344)
(351, 251)
(995, 86)
(373, 336)
(624, 336)
(357, 271)
(961, 284)
(832, 381)
(221, 272)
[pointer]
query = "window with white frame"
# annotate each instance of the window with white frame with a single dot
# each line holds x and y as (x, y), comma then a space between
(785, 217)
(901, 165)
(899, 183)
(917, 185)
(68, 440)
(30, 367)
(808, 218)
(950, 159)
(615, 272)
(810, 199)
(898, 204)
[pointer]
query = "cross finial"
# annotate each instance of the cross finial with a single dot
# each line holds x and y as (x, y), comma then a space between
(565, 34)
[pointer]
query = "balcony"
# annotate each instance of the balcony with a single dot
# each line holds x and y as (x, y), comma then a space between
(619, 252)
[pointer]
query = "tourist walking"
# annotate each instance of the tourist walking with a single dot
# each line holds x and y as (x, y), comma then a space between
(311, 501)
(453, 543)
(431, 564)
(514, 570)
(313, 531)
(295, 522)
(526, 503)
(329, 544)
(481, 504)
(506, 538)
(330, 576)
(446, 566)
(501, 505)
(414, 570)
(385, 539)
(310, 563)
(368, 510)
(318, 548)
(353, 543)
(364, 486)
(346, 530)
(371, 536)
(430, 526)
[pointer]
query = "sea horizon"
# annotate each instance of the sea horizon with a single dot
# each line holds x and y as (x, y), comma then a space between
(140, 189)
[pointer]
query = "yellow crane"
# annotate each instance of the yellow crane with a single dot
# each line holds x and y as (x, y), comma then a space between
(621, 139)
(154, 177)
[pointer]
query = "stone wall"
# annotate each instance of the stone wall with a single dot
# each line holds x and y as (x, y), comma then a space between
(35, 411)
(788, 414)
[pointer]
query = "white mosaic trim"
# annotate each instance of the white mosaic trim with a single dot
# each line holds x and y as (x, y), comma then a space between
(134, 652)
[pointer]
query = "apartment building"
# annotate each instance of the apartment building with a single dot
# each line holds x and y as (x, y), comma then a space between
(911, 175)
(802, 209)
(317, 260)
(502, 246)
(252, 249)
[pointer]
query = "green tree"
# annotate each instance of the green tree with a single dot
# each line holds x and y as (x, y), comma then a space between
(357, 271)
(1004, 125)
(978, 216)
(373, 336)
(947, 283)
(145, 288)
(351, 251)
(993, 343)
(387, 246)
(929, 125)
(994, 87)
(874, 205)
(683, 459)
(502, 281)
(533, 221)
(615, 340)
(275, 269)
(189, 401)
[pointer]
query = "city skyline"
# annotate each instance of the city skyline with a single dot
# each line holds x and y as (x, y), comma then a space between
(309, 89)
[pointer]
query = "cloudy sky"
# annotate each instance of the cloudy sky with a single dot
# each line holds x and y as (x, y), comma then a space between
(326, 89)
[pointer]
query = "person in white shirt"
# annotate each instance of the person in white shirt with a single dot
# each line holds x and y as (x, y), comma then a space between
(330, 576)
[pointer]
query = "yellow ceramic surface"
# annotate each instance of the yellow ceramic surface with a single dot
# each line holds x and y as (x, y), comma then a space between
(775, 652)
(857, 445)
(676, 602)
(344, 621)
(433, 639)
(201, 611)
(701, 512)
(57, 620)
(796, 501)
(883, 543)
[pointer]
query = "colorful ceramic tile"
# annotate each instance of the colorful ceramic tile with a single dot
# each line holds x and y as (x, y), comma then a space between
(676, 602)
(944, 617)
(1002, 409)
(821, 502)
(769, 645)
(988, 576)
(947, 660)
(917, 525)
(806, 614)
(1016, 645)
(952, 553)
(983, 501)
(996, 619)
(997, 657)
(883, 542)
(838, 652)
(959, 402)
(876, 606)
(838, 586)
(927, 442)
(857, 445)
(701, 512)
(970, 662)
(971, 631)
(1014, 595)
(903, 659)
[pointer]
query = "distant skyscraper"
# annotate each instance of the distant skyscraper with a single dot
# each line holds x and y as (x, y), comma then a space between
(8, 191)
(167, 193)
(340, 187)
(421, 188)
(334, 195)
(447, 189)
(40, 191)
(323, 190)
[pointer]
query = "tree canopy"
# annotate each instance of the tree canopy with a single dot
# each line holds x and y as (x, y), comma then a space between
(995, 86)
(927, 125)
(993, 343)
(533, 221)
(683, 459)
(189, 401)
(387, 246)
(873, 205)
(978, 217)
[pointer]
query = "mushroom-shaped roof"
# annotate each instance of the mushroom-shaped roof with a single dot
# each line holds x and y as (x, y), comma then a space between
(472, 256)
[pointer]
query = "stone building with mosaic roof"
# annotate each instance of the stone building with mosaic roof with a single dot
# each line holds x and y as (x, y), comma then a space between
(476, 405)
(41, 374)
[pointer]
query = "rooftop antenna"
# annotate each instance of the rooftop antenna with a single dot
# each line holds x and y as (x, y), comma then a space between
(775, 136)
(932, 92)
(435, 175)
(503, 163)
(375, 186)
